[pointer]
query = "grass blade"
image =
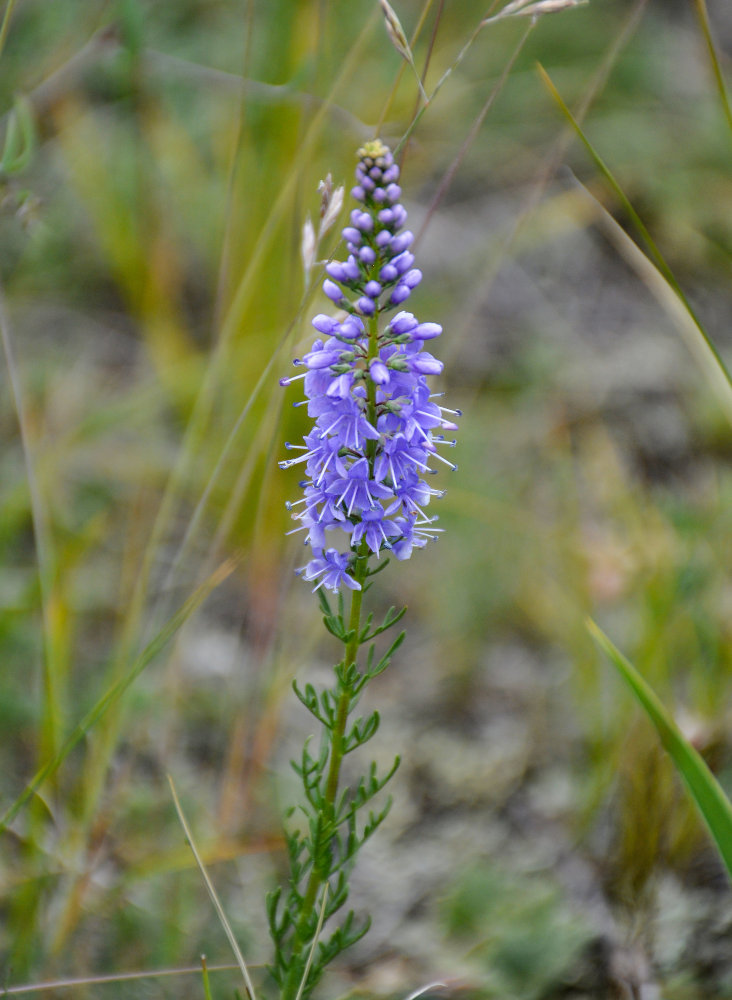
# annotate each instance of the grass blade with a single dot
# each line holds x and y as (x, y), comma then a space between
(666, 297)
(311, 953)
(53, 672)
(703, 787)
(703, 17)
(117, 690)
(653, 251)
(212, 894)
(120, 977)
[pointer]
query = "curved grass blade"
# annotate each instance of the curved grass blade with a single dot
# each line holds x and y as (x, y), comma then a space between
(212, 894)
(664, 294)
(703, 787)
(93, 716)
(653, 251)
(703, 18)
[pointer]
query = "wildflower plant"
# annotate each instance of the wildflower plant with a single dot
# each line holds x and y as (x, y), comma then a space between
(377, 434)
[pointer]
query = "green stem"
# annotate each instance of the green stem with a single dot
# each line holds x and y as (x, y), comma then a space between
(327, 817)
(337, 733)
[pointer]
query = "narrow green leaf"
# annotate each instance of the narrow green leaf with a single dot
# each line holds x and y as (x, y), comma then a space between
(704, 788)
(386, 658)
(324, 603)
(333, 626)
(378, 569)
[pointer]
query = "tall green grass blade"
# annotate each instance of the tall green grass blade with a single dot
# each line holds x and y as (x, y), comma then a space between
(703, 16)
(213, 894)
(665, 295)
(113, 694)
(703, 787)
(653, 251)
(46, 558)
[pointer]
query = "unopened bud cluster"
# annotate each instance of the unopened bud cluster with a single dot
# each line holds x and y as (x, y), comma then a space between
(377, 427)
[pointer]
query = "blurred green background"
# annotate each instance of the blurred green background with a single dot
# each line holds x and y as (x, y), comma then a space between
(151, 218)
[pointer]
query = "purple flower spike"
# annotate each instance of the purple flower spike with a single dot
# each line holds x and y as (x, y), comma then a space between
(377, 430)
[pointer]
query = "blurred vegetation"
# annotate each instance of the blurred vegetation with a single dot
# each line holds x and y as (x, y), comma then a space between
(166, 156)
